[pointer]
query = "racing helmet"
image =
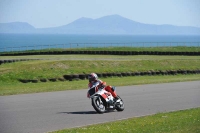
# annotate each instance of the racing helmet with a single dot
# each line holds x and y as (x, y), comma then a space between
(92, 77)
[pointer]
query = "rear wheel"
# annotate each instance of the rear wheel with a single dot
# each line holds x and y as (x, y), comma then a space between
(119, 105)
(98, 105)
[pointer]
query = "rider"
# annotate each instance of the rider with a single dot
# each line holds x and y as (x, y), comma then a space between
(93, 80)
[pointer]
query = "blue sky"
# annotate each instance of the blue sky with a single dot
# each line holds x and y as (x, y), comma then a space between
(52, 13)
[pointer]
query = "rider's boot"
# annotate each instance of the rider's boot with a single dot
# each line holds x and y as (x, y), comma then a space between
(115, 99)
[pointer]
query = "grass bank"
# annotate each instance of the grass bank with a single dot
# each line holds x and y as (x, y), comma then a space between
(185, 121)
(100, 57)
(12, 88)
(60, 65)
(119, 48)
(167, 48)
(55, 66)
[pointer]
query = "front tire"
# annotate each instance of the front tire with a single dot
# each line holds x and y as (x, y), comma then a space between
(119, 105)
(98, 105)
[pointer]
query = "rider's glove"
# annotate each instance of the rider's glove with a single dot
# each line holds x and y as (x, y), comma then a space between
(102, 87)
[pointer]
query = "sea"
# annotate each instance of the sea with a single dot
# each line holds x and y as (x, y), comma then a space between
(17, 42)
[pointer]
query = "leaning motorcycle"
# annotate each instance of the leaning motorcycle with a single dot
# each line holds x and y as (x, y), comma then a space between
(103, 100)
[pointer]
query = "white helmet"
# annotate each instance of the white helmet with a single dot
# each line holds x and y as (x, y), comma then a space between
(92, 77)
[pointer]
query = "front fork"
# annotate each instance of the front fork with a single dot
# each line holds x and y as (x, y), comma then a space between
(99, 99)
(107, 104)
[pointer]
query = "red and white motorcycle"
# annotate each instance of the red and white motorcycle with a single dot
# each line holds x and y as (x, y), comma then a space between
(103, 100)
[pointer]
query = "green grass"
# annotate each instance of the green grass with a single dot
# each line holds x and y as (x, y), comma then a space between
(168, 48)
(185, 121)
(13, 88)
(133, 48)
(100, 57)
(59, 65)
(55, 68)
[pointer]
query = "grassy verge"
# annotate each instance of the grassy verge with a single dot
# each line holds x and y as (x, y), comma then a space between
(11, 88)
(55, 68)
(185, 121)
(121, 48)
(100, 57)
(168, 48)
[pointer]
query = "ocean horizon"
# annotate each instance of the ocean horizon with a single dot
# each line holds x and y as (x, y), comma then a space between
(41, 41)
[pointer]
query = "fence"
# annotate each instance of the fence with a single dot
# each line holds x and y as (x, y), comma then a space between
(98, 45)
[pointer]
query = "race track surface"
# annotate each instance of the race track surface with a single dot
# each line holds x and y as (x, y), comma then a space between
(44, 112)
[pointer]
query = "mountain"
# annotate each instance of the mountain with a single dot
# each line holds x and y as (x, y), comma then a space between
(16, 27)
(112, 24)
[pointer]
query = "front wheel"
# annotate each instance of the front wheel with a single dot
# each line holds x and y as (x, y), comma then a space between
(98, 104)
(119, 105)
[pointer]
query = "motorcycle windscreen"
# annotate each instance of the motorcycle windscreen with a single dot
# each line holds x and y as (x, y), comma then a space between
(92, 91)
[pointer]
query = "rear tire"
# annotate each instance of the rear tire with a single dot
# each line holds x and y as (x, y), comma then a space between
(98, 105)
(119, 106)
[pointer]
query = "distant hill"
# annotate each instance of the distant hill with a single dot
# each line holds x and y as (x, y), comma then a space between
(16, 27)
(112, 24)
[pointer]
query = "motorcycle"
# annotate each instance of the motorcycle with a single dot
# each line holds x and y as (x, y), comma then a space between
(103, 100)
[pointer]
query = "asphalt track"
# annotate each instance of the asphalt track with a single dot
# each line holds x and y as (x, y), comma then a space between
(44, 112)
